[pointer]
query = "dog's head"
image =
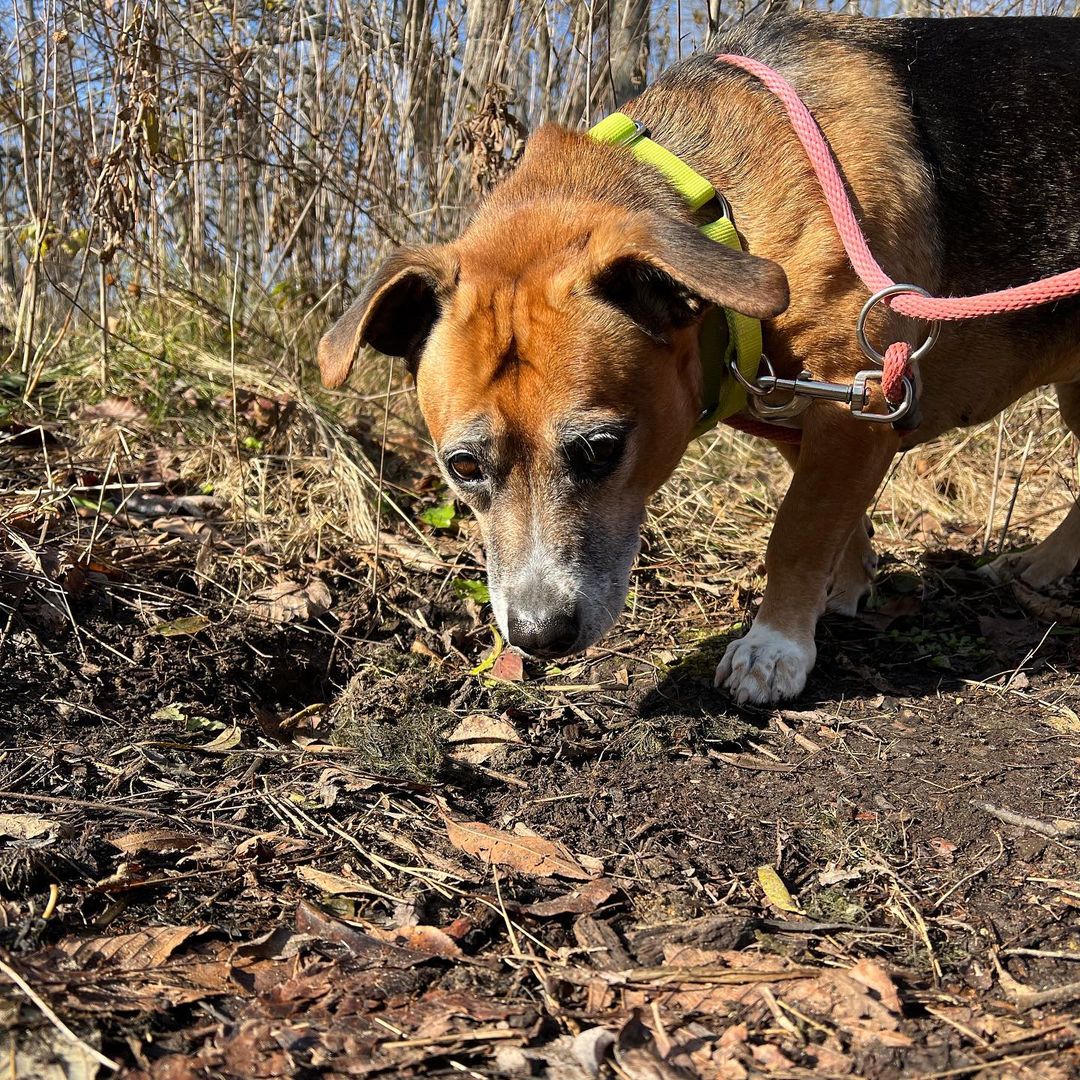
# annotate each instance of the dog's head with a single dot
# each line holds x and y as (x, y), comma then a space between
(555, 350)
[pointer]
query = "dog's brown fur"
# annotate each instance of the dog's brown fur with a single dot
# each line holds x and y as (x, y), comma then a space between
(521, 336)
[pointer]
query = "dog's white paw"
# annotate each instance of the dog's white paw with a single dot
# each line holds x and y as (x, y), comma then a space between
(765, 666)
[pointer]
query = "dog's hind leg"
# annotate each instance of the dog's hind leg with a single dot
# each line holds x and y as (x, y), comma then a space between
(854, 572)
(1059, 554)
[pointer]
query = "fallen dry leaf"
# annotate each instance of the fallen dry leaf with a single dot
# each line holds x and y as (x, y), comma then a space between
(508, 666)
(46, 1054)
(942, 848)
(882, 616)
(148, 971)
(590, 1047)
(875, 977)
(771, 1058)
(289, 601)
(528, 854)
(154, 842)
(186, 527)
(269, 845)
(411, 555)
(861, 1001)
(478, 738)
(334, 884)
(224, 742)
(924, 525)
(114, 408)
(28, 827)
(373, 950)
(584, 900)
(139, 951)
(1063, 719)
(427, 939)
(639, 1056)
(554, 1059)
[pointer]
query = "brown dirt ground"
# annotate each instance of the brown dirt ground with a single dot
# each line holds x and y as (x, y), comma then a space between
(227, 851)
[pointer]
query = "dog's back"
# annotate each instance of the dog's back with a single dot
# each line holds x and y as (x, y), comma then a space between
(995, 104)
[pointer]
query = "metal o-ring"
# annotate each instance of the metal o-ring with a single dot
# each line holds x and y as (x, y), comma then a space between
(745, 383)
(883, 294)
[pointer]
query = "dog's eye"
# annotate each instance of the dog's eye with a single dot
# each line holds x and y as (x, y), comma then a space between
(465, 467)
(591, 457)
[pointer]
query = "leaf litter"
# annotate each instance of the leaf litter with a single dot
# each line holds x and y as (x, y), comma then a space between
(598, 871)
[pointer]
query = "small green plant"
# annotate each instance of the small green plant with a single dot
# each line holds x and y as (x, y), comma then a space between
(444, 516)
(944, 649)
(470, 589)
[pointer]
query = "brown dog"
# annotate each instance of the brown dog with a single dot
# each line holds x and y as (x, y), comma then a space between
(555, 344)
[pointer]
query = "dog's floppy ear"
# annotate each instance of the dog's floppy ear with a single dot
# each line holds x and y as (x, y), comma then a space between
(395, 312)
(664, 273)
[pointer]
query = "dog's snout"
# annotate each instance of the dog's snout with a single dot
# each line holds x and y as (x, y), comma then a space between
(544, 632)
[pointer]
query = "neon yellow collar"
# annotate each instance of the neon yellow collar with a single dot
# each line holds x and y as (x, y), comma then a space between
(723, 395)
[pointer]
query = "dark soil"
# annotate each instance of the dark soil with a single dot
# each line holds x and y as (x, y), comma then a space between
(203, 781)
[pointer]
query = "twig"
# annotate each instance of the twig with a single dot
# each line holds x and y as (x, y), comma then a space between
(1024, 997)
(128, 811)
(1015, 492)
(784, 926)
(1030, 655)
(964, 1070)
(1056, 995)
(1043, 828)
(1043, 954)
(748, 762)
(477, 1035)
(970, 877)
(55, 1020)
(993, 488)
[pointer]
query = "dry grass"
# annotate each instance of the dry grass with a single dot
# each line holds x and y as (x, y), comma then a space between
(197, 191)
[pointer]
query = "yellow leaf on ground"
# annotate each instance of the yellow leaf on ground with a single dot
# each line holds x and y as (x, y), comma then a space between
(776, 892)
(185, 627)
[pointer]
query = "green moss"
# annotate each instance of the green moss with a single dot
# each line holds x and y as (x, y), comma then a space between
(836, 904)
(409, 745)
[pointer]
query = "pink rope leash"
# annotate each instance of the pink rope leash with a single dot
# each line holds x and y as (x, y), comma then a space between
(950, 308)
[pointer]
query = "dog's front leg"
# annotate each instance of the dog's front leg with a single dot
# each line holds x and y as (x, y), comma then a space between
(839, 466)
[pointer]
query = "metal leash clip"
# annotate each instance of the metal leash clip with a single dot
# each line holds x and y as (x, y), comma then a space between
(856, 395)
(860, 399)
(763, 385)
(804, 389)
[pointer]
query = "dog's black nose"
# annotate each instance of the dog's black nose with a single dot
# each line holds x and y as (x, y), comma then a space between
(545, 634)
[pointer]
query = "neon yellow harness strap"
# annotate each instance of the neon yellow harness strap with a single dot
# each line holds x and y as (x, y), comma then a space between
(723, 396)
(744, 338)
(618, 128)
